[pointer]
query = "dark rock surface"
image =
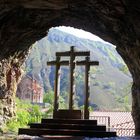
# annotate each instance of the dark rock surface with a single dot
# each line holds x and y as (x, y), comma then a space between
(22, 22)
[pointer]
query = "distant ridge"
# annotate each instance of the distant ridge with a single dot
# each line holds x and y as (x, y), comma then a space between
(110, 84)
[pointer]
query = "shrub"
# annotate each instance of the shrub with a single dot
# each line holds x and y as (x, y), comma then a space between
(25, 113)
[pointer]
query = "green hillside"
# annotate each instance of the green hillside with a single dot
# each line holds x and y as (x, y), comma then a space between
(110, 81)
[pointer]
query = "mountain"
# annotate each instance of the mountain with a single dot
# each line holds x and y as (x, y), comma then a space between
(110, 81)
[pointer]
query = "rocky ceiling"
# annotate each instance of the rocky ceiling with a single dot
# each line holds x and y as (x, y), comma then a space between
(22, 22)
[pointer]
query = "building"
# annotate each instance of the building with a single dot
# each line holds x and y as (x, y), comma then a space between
(29, 89)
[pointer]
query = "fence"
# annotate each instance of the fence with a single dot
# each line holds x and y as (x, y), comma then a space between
(122, 129)
(103, 120)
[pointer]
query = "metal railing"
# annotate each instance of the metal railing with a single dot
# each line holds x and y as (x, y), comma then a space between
(102, 120)
(105, 120)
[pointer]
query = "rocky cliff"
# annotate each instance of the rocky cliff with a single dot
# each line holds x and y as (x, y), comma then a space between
(107, 91)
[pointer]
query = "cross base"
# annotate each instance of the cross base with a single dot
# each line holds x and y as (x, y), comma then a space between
(67, 114)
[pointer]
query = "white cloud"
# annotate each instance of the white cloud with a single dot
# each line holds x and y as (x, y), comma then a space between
(81, 33)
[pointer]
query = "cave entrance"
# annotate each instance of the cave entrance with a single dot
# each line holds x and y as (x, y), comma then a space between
(110, 82)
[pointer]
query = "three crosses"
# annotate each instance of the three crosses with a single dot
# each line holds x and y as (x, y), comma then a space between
(72, 63)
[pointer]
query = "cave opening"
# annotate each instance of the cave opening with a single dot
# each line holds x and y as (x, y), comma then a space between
(110, 82)
(23, 23)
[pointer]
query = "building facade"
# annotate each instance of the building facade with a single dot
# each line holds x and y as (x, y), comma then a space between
(29, 89)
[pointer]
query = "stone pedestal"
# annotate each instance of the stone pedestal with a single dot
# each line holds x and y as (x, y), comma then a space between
(68, 114)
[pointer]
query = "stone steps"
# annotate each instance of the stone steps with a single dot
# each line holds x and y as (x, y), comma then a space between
(65, 132)
(67, 127)
(70, 121)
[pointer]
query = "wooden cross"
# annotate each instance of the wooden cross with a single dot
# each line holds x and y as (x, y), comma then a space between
(57, 64)
(72, 55)
(87, 63)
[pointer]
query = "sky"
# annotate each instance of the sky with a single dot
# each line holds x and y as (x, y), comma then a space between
(81, 33)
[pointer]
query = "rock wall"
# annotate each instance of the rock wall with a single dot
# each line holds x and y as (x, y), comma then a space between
(23, 22)
(10, 75)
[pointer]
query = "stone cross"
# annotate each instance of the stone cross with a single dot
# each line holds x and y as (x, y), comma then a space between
(72, 54)
(57, 64)
(87, 63)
